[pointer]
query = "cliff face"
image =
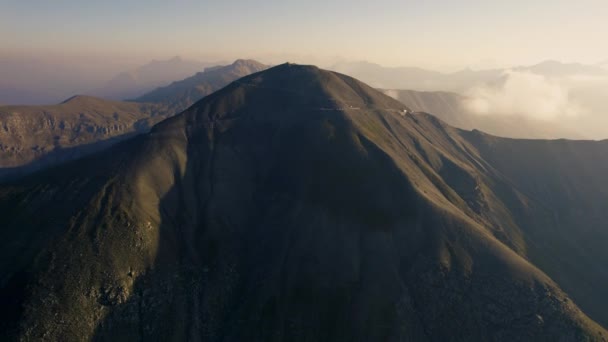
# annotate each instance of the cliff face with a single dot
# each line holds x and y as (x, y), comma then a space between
(297, 205)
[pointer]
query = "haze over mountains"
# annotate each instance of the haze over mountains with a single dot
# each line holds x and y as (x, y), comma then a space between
(460, 81)
(452, 108)
(35, 81)
(554, 97)
(299, 204)
(64, 132)
(550, 98)
(34, 137)
(181, 94)
(134, 83)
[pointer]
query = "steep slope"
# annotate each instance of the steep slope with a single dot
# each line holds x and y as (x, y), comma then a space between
(182, 94)
(450, 108)
(566, 182)
(295, 204)
(33, 137)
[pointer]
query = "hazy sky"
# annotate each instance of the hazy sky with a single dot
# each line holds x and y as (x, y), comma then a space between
(427, 33)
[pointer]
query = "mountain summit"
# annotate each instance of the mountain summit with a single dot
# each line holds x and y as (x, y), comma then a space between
(299, 204)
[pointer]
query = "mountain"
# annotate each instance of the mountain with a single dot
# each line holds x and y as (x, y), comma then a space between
(180, 95)
(450, 107)
(33, 137)
(298, 204)
(134, 83)
(416, 78)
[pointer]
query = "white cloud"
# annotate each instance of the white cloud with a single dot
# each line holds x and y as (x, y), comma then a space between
(392, 93)
(524, 94)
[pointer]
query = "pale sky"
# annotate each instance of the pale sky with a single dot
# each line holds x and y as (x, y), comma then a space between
(426, 33)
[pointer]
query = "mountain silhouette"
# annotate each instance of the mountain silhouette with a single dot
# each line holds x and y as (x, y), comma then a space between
(134, 83)
(180, 95)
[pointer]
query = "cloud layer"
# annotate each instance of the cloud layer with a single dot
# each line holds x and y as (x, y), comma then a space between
(522, 93)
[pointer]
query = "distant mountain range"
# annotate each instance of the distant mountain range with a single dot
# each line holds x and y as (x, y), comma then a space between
(181, 94)
(134, 83)
(460, 81)
(36, 137)
(450, 107)
(299, 204)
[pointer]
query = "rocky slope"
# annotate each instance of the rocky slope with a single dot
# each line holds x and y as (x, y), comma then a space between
(302, 205)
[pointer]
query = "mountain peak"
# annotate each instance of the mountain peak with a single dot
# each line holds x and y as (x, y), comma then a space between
(292, 90)
(241, 61)
(249, 63)
(308, 81)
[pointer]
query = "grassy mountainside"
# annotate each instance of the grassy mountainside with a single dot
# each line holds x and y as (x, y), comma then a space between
(295, 204)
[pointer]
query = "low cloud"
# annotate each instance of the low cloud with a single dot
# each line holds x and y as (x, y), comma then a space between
(392, 93)
(521, 93)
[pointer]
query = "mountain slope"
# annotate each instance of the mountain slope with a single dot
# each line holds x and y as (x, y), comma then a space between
(295, 204)
(450, 107)
(33, 137)
(567, 231)
(180, 95)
